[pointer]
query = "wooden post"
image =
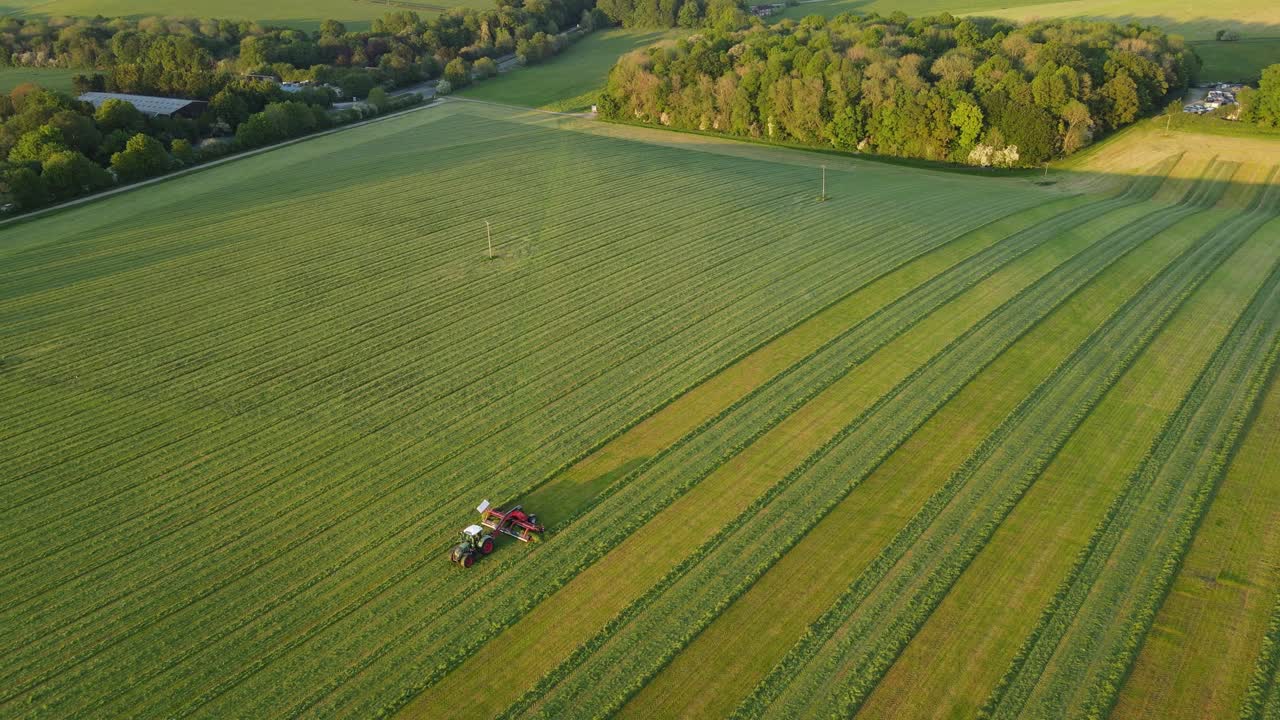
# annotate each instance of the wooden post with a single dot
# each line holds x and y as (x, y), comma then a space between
(824, 182)
(489, 233)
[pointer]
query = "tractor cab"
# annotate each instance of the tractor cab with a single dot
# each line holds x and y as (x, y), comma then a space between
(475, 542)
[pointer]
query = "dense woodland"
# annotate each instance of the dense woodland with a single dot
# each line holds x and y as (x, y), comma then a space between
(977, 91)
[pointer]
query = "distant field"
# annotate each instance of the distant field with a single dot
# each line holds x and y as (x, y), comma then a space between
(569, 81)
(938, 442)
(1239, 61)
(304, 14)
(52, 78)
(1258, 20)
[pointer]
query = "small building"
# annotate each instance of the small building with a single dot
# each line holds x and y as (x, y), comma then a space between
(149, 105)
(764, 11)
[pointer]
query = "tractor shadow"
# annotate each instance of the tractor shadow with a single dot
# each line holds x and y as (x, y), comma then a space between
(562, 498)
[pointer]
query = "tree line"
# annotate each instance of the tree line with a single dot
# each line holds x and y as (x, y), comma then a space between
(197, 58)
(979, 91)
(55, 148)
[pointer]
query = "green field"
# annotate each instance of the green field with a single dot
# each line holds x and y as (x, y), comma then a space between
(569, 81)
(52, 78)
(938, 443)
(1239, 61)
(303, 14)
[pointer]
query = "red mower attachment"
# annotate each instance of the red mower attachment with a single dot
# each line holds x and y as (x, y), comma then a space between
(514, 522)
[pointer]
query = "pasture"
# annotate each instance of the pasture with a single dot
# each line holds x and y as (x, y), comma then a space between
(52, 78)
(938, 444)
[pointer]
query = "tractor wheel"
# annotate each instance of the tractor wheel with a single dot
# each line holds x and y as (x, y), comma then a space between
(468, 560)
(486, 546)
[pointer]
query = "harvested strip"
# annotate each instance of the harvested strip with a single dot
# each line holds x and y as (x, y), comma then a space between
(664, 621)
(847, 651)
(957, 657)
(1077, 656)
(756, 631)
(619, 579)
(1215, 618)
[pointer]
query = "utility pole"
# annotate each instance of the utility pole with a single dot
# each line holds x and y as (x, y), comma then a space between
(824, 183)
(1168, 118)
(488, 232)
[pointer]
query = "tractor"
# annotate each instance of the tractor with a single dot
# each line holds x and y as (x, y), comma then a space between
(475, 542)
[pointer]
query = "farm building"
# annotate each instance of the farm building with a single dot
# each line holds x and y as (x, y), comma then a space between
(149, 105)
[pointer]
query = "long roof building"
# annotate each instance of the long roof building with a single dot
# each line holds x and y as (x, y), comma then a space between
(149, 105)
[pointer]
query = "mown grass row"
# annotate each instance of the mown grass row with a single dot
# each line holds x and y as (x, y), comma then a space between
(179, 555)
(1077, 656)
(140, 613)
(682, 471)
(1079, 383)
(957, 654)
(692, 290)
(1262, 699)
(759, 628)
(661, 622)
(843, 655)
(680, 465)
(841, 400)
(601, 263)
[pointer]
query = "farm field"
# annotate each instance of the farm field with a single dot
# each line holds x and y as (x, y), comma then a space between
(302, 14)
(52, 78)
(1239, 61)
(940, 443)
(570, 81)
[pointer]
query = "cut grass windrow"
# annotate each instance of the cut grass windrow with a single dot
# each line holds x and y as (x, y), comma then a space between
(959, 653)
(682, 466)
(754, 633)
(809, 422)
(402, 528)
(1076, 658)
(845, 653)
(616, 662)
(187, 499)
(1262, 699)
(1214, 620)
